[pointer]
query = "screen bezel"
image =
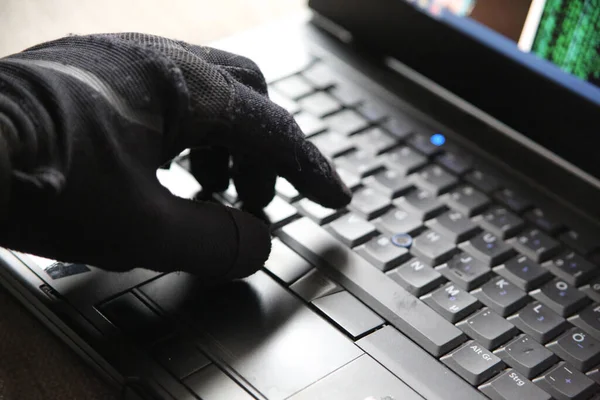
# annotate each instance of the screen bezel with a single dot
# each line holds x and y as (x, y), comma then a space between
(528, 102)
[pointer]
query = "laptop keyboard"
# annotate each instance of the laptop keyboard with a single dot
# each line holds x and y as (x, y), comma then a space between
(497, 290)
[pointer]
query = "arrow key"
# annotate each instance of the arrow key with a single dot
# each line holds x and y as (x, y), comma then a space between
(578, 348)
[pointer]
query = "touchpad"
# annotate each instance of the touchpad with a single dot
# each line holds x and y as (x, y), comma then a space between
(272, 339)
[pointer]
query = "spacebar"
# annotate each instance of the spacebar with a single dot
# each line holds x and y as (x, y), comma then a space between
(400, 308)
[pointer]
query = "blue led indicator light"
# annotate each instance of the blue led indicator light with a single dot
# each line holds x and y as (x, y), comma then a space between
(437, 139)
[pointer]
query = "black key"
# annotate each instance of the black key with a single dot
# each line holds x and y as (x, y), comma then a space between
(348, 313)
(565, 383)
(369, 203)
(398, 221)
(488, 248)
(376, 290)
(424, 144)
(577, 348)
(453, 225)
(180, 357)
(539, 322)
(346, 122)
(544, 221)
(488, 328)
(373, 141)
(359, 163)
(409, 362)
(373, 110)
(314, 285)
(513, 200)
(500, 222)
(452, 302)
(321, 76)
(583, 243)
(417, 277)
(319, 104)
(321, 215)
(535, 244)
(422, 203)
(589, 320)
(398, 126)
(404, 160)
(474, 363)
(278, 212)
(383, 253)
(524, 273)
(332, 144)
(352, 230)
(286, 190)
(513, 386)
(467, 200)
(592, 289)
(293, 87)
(501, 296)
(285, 264)
(464, 270)
(483, 181)
(291, 106)
(561, 297)
(571, 267)
(435, 179)
(309, 124)
(457, 162)
(348, 94)
(432, 247)
(527, 356)
(351, 180)
(389, 182)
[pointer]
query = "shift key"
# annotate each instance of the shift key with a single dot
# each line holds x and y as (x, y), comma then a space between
(394, 303)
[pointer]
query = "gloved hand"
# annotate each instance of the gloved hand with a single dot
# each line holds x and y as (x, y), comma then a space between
(85, 121)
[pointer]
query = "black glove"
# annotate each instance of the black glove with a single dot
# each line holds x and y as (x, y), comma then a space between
(87, 120)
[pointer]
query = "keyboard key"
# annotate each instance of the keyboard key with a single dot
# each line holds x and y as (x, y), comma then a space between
(293, 87)
(453, 225)
(465, 271)
(374, 141)
(432, 247)
(483, 181)
(212, 383)
(500, 222)
(348, 94)
(369, 203)
(523, 272)
(314, 285)
(373, 110)
(539, 322)
(501, 296)
(488, 248)
(179, 357)
(346, 122)
(595, 375)
(332, 144)
(286, 190)
(351, 180)
(577, 348)
(398, 126)
(291, 106)
(589, 320)
(467, 200)
(398, 221)
(457, 162)
(409, 362)
(581, 242)
(434, 179)
(321, 215)
(547, 222)
(278, 212)
(417, 277)
(572, 268)
(561, 297)
(359, 163)
(421, 202)
(348, 313)
(527, 356)
(452, 302)
(565, 383)
(389, 182)
(535, 244)
(383, 253)
(309, 124)
(404, 160)
(319, 104)
(474, 363)
(285, 263)
(376, 290)
(513, 200)
(592, 289)
(513, 386)
(321, 76)
(352, 229)
(423, 143)
(488, 328)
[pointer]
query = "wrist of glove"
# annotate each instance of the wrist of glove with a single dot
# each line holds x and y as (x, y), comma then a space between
(87, 120)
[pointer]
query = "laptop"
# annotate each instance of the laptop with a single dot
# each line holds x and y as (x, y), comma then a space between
(466, 266)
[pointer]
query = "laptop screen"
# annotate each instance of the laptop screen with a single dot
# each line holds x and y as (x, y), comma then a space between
(559, 39)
